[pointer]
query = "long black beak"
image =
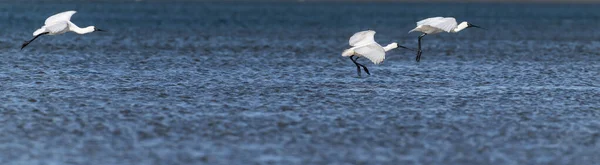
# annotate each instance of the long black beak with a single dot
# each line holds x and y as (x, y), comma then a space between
(475, 26)
(100, 30)
(400, 46)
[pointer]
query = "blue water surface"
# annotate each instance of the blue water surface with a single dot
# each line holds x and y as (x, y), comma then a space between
(264, 83)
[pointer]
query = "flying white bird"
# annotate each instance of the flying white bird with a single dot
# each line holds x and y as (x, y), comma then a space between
(364, 45)
(58, 24)
(436, 25)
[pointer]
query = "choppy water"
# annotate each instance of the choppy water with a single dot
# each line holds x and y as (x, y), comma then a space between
(264, 83)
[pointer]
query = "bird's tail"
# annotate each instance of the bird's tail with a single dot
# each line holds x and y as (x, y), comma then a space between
(415, 29)
(38, 32)
(348, 52)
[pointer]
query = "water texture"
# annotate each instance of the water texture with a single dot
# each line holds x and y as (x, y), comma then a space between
(264, 83)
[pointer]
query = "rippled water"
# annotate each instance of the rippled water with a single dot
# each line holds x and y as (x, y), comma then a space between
(264, 83)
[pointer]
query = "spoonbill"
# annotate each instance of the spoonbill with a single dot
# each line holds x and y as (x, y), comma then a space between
(58, 24)
(364, 45)
(436, 25)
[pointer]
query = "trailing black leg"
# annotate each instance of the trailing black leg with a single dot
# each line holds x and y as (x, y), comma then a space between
(27, 42)
(419, 52)
(357, 65)
(364, 67)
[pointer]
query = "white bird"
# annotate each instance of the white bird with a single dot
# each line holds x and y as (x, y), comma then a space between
(364, 45)
(436, 25)
(58, 24)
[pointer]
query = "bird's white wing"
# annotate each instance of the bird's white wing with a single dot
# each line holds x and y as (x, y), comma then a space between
(429, 20)
(373, 52)
(64, 16)
(445, 24)
(57, 27)
(362, 38)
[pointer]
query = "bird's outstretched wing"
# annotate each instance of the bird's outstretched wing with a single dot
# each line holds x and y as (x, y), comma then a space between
(373, 52)
(57, 27)
(362, 38)
(64, 16)
(443, 23)
(429, 20)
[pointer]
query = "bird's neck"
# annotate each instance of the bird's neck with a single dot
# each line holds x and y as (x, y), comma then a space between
(460, 27)
(79, 30)
(390, 47)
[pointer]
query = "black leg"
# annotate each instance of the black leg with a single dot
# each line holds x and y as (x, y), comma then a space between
(366, 70)
(27, 42)
(419, 52)
(357, 65)
(419, 56)
(364, 67)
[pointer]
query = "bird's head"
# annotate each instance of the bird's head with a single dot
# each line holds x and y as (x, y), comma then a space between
(393, 45)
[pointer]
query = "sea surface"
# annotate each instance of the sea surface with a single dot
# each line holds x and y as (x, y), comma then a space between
(265, 83)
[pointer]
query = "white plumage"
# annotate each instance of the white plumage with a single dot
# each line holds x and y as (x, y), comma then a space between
(362, 38)
(61, 23)
(364, 45)
(373, 52)
(64, 16)
(436, 25)
(58, 24)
